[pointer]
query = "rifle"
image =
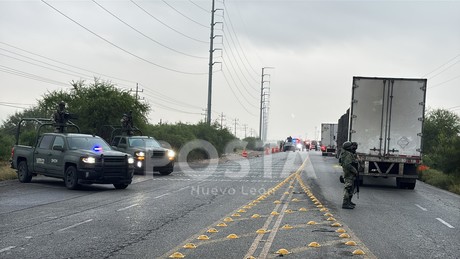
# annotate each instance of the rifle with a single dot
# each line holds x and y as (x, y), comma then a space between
(356, 165)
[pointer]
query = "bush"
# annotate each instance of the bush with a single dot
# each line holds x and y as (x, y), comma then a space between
(440, 180)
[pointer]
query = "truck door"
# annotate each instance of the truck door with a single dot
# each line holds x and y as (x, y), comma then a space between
(42, 154)
(56, 165)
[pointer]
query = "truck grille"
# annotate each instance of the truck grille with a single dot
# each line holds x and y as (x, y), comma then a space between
(158, 154)
(114, 166)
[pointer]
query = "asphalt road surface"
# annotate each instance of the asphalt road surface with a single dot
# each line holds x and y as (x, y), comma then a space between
(282, 204)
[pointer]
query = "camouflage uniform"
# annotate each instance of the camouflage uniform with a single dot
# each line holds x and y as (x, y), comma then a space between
(347, 159)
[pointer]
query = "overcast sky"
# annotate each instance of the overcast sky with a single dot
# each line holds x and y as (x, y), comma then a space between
(315, 47)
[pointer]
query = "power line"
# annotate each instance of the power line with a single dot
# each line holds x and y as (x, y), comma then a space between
(205, 26)
(231, 64)
(198, 6)
(239, 47)
(171, 100)
(238, 41)
(155, 101)
(120, 48)
(66, 64)
(437, 85)
(158, 20)
(41, 65)
(244, 107)
(30, 76)
(143, 34)
(458, 55)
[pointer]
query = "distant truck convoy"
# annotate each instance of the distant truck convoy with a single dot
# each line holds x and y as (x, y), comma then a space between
(328, 138)
(76, 158)
(386, 120)
(342, 131)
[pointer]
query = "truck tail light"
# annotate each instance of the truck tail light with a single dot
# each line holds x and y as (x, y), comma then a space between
(12, 152)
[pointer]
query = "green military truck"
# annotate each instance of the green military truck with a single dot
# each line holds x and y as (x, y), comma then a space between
(147, 152)
(74, 157)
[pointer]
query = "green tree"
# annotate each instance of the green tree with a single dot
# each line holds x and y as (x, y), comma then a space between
(441, 141)
(97, 104)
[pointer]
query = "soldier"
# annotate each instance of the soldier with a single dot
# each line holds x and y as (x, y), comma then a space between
(59, 117)
(127, 123)
(347, 160)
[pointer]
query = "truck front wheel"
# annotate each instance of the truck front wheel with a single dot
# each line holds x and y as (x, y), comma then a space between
(120, 186)
(24, 175)
(71, 178)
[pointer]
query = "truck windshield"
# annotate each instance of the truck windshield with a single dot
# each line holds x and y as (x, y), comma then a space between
(147, 143)
(88, 143)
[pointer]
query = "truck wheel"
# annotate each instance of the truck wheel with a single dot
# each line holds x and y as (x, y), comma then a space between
(165, 172)
(120, 186)
(24, 175)
(71, 178)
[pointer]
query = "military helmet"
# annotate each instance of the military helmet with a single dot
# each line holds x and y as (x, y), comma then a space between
(347, 145)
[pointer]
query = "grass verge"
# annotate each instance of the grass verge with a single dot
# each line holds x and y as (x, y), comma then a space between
(441, 180)
(6, 172)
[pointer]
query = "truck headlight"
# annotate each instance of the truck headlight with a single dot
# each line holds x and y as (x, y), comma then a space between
(171, 154)
(89, 160)
(140, 155)
(130, 160)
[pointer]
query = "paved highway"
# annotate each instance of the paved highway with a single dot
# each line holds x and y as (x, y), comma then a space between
(237, 208)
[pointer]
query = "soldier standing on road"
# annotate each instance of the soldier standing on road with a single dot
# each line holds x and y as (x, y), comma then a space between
(347, 161)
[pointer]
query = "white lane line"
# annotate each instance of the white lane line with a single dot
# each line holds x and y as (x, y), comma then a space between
(6, 249)
(420, 207)
(181, 189)
(445, 223)
(161, 195)
(125, 208)
(75, 225)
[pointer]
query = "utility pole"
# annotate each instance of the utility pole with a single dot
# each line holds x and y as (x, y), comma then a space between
(235, 121)
(262, 108)
(245, 126)
(204, 114)
(221, 120)
(137, 91)
(211, 63)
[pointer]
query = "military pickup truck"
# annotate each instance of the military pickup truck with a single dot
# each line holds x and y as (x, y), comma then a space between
(74, 157)
(146, 150)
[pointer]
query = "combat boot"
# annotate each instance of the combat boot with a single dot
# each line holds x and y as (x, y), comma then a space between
(347, 205)
(352, 203)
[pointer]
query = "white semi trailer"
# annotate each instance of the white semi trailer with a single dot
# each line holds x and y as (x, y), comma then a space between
(328, 138)
(386, 120)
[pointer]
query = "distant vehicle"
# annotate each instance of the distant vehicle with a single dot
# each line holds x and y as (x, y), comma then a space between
(298, 144)
(328, 138)
(289, 144)
(314, 145)
(386, 120)
(148, 153)
(76, 158)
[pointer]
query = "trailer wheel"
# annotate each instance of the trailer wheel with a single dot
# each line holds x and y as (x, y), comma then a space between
(24, 175)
